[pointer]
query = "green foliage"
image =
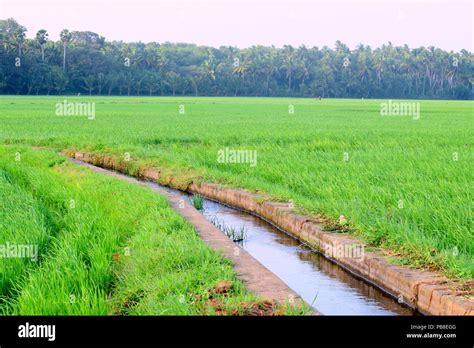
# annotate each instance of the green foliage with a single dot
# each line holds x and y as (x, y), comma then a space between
(237, 235)
(84, 62)
(104, 246)
(198, 201)
(299, 157)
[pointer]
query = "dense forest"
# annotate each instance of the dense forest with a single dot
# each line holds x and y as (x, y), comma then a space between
(84, 62)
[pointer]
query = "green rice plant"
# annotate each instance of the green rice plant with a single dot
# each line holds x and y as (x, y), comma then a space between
(198, 201)
(402, 184)
(237, 235)
(104, 246)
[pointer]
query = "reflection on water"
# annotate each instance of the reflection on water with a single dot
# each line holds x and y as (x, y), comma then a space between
(327, 287)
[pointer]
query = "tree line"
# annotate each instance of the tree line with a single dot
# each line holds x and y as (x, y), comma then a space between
(84, 62)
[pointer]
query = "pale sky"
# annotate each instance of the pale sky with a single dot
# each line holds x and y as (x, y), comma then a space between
(447, 24)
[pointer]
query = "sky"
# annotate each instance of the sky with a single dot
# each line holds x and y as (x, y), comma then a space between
(447, 24)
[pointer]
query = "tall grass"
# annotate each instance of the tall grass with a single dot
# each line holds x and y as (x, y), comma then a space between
(22, 224)
(198, 201)
(105, 246)
(400, 188)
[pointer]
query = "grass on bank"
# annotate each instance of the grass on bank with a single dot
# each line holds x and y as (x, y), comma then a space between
(402, 184)
(104, 247)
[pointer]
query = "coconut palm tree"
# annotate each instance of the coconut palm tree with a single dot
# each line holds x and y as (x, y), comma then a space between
(42, 38)
(288, 63)
(19, 38)
(66, 37)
